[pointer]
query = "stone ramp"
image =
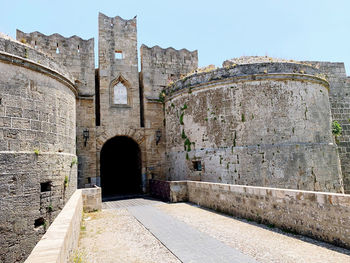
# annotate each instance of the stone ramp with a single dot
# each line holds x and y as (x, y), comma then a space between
(147, 230)
(184, 241)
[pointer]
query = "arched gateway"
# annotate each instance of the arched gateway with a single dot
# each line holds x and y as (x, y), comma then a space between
(120, 167)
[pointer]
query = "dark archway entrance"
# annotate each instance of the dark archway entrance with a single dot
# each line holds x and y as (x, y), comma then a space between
(120, 167)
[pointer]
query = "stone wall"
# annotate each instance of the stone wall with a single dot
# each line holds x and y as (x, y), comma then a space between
(324, 216)
(266, 124)
(172, 191)
(92, 199)
(61, 239)
(159, 67)
(77, 56)
(160, 189)
(320, 215)
(37, 146)
(339, 96)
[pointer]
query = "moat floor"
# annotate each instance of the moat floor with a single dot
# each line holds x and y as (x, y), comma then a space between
(144, 230)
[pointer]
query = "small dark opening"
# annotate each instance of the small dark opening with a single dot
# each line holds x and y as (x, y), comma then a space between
(97, 98)
(39, 222)
(142, 113)
(197, 165)
(45, 187)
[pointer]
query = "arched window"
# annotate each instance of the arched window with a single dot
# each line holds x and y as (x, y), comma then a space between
(120, 94)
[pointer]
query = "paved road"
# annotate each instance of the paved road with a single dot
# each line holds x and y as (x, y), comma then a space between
(185, 242)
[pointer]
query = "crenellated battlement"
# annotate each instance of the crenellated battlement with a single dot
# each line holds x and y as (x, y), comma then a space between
(23, 54)
(117, 21)
(74, 53)
(158, 55)
(56, 43)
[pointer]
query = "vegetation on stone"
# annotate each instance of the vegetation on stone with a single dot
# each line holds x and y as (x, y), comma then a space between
(336, 128)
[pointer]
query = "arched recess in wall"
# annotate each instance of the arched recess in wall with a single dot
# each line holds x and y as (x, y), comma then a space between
(120, 167)
(120, 93)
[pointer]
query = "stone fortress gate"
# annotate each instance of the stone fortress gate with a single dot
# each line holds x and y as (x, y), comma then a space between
(68, 123)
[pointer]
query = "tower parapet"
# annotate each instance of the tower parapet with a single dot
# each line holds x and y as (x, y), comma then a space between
(74, 53)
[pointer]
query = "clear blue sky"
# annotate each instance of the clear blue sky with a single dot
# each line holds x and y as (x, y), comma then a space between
(219, 30)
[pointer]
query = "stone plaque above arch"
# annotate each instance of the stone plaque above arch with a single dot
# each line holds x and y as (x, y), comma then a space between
(120, 93)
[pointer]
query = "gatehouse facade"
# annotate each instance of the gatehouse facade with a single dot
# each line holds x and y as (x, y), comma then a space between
(68, 123)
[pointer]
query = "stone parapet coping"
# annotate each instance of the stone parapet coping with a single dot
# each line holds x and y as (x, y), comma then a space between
(61, 238)
(247, 72)
(17, 49)
(64, 78)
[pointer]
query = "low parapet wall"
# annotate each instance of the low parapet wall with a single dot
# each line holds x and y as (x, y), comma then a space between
(61, 238)
(92, 199)
(171, 191)
(324, 216)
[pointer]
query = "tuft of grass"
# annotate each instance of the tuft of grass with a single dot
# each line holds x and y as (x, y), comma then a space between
(77, 258)
(66, 181)
(161, 97)
(49, 208)
(270, 225)
(187, 145)
(183, 135)
(181, 119)
(74, 161)
(336, 129)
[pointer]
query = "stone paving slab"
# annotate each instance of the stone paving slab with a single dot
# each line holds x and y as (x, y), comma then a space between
(130, 202)
(184, 241)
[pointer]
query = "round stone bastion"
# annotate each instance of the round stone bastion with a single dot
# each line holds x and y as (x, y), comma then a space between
(38, 170)
(260, 124)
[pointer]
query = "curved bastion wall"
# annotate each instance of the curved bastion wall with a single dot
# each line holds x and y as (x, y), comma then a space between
(262, 124)
(37, 146)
